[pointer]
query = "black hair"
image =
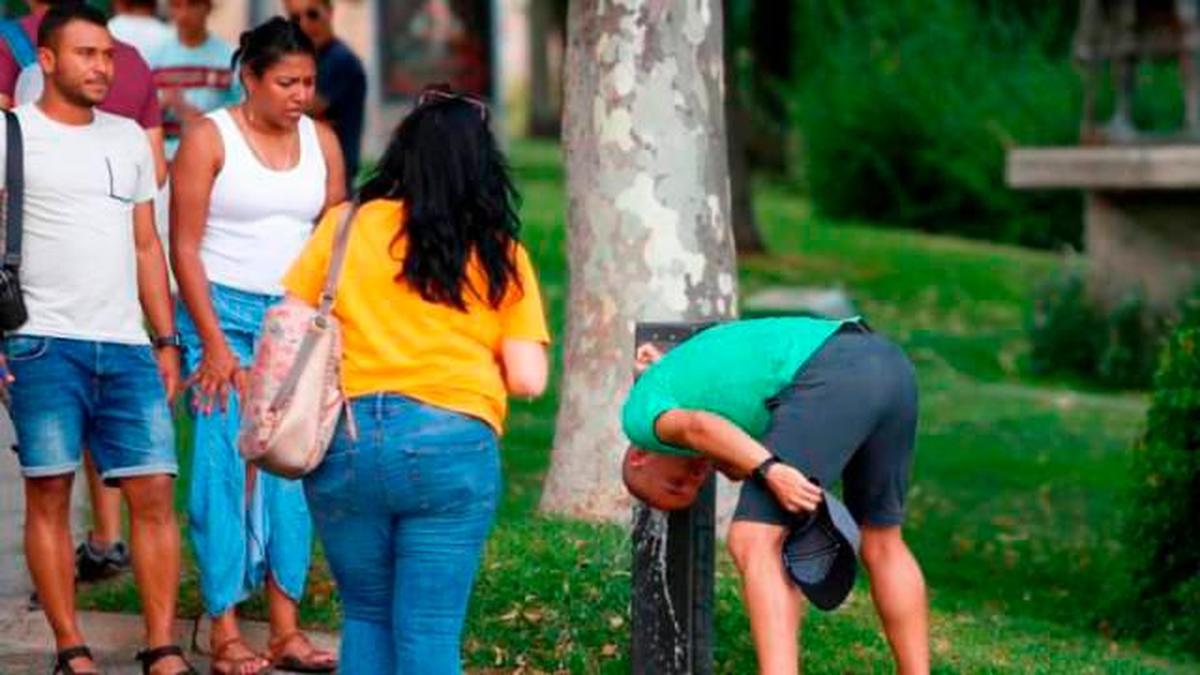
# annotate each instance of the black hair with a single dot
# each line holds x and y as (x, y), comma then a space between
(151, 5)
(64, 12)
(267, 43)
(459, 202)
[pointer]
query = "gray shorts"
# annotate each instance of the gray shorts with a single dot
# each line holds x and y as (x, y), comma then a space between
(850, 413)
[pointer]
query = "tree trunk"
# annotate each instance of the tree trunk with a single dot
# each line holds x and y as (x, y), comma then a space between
(746, 236)
(648, 217)
(773, 50)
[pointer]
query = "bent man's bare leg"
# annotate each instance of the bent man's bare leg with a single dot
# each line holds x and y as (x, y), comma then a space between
(898, 589)
(774, 604)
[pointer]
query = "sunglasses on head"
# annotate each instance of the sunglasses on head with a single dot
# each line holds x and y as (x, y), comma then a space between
(435, 95)
(312, 14)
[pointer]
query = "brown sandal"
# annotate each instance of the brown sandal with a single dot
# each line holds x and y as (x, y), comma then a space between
(63, 659)
(310, 662)
(223, 664)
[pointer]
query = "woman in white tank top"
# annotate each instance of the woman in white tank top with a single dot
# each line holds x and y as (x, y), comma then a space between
(248, 184)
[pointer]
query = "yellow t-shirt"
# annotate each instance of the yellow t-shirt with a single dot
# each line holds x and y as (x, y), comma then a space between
(395, 341)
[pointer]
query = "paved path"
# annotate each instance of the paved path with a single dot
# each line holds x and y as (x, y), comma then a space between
(26, 644)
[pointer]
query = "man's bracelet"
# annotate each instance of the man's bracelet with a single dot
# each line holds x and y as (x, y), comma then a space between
(759, 474)
(164, 341)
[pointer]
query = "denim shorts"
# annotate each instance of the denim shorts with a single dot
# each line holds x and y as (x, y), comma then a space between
(69, 394)
(850, 413)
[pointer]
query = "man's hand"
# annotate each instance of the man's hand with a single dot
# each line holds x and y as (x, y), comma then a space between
(795, 492)
(645, 356)
(168, 370)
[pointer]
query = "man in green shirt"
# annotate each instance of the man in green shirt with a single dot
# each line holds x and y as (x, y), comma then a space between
(790, 404)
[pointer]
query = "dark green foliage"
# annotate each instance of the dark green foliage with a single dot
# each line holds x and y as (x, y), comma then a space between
(905, 111)
(1132, 341)
(1069, 335)
(1162, 530)
(902, 112)
(1066, 333)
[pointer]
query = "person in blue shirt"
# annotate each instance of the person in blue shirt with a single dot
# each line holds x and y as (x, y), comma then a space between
(341, 80)
(192, 70)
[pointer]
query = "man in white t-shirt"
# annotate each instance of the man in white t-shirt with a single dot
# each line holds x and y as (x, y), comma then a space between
(82, 368)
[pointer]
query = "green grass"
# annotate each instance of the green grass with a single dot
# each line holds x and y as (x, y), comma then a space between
(1016, 489)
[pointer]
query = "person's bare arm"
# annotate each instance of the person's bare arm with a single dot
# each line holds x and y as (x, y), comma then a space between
(196, 165)
(154, 291)
(335, 166)
(10, 72)
(727, 445)
(159, 149)
(526, 367)
(173, 101)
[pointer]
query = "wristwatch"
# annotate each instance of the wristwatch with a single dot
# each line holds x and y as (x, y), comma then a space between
(759, 474)
(164, 341)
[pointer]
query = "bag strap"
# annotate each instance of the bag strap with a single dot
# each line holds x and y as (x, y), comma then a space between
(320, 322)
(18, 41)
(341, 239)
(14, 190)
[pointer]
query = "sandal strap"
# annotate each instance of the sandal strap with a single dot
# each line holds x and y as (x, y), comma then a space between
(72, 653)
(219, 649)
(277, 645)
(287, 637)
(149, 657)
(62, 659)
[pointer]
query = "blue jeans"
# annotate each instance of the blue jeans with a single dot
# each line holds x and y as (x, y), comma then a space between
(108, 395)
(403, 513)
(239, 541)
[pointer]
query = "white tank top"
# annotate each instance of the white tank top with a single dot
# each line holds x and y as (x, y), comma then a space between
(259, 218)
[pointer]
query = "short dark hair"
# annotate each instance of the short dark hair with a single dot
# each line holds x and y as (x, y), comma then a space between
(151, 5)
(266, 44)
(64, 12)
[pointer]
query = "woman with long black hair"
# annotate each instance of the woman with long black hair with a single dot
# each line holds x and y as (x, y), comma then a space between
(442, 319)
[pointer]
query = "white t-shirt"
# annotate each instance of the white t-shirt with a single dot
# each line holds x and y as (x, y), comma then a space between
(78, 260)
(145, 33)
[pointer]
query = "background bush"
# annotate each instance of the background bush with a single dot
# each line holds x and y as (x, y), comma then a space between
(1162, 536)
(1066, 333)
(1069, 335)
(902, 111)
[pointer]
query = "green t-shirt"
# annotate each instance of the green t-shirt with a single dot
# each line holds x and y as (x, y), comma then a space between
(731, 370)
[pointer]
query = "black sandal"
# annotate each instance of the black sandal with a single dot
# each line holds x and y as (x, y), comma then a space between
(62, 660)
(149, 657)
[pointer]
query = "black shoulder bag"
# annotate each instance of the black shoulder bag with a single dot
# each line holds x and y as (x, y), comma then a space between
(12, 303)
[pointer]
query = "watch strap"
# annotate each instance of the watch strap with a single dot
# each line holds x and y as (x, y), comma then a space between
(759, 474)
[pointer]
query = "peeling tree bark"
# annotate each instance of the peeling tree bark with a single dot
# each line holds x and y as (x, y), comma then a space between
(648, 218)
